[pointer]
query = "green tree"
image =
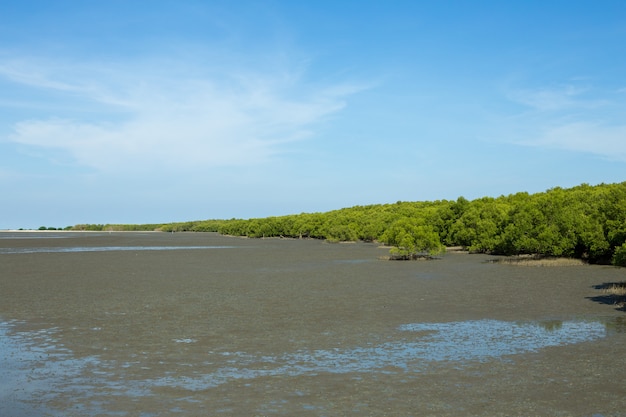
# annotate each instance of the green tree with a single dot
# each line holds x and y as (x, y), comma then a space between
(410, 240)
(619, 257)
(479, 227)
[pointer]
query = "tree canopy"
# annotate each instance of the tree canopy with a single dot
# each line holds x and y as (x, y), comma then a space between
(587, 222)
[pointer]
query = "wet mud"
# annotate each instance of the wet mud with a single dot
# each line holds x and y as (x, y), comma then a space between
(157, 324)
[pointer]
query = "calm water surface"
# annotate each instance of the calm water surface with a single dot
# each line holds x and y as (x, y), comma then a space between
(104, 249)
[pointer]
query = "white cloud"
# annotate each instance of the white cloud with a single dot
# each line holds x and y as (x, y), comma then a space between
(168, 119)
(22, 73)
(570, 117)
(554, 99)
(603, 140)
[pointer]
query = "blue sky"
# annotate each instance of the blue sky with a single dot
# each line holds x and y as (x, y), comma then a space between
(162, 111)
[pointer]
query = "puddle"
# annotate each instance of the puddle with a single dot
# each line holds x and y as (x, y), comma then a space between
(37, 369)
(31, 363)
(485, 339)
(105, 249)
(20, 236)
(458, 342)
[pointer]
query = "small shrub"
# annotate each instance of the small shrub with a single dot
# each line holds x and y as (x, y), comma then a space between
(619, 257)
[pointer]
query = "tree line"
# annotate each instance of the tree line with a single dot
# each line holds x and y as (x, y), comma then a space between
(586, 222)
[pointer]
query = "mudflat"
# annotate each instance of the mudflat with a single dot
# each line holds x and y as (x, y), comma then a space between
(169, 324)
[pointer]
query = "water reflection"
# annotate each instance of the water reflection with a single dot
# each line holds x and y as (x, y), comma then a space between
(485, 339)
(5, 235)
(105, 249)
(460, 342)
(34, 364)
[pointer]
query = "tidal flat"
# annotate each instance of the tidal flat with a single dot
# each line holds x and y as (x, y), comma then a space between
(172, 324)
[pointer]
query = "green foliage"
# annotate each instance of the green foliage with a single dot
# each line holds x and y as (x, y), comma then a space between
(411, 239)
(619, 257)
(586, 222)
(89, 227)
(480, 224)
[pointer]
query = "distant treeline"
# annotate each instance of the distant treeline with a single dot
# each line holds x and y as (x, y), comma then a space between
(587, 222)
(117, 227)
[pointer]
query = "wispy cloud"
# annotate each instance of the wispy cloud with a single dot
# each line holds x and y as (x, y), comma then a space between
(29, 74)
(571, 118)
(554, 98)
(172, 117)
(606, 141)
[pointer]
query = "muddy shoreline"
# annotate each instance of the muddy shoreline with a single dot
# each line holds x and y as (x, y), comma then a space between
(161, 324)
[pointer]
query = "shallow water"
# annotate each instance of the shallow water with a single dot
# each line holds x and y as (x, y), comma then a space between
(459, 342)
(138, 324)
(35, 362)
(105, 249)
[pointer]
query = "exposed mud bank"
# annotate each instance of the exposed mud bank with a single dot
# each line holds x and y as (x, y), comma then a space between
(158, 324)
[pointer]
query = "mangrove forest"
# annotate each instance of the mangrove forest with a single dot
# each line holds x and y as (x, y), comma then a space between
(586, 222)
